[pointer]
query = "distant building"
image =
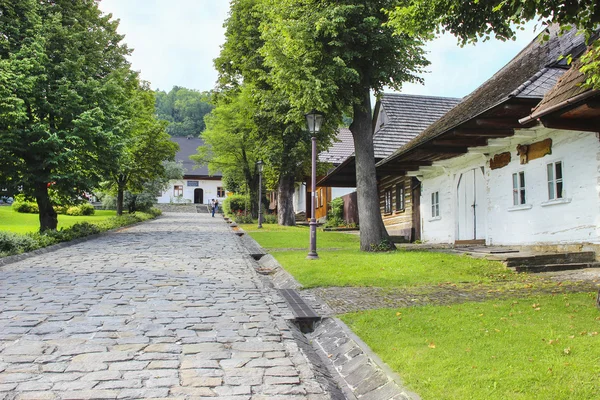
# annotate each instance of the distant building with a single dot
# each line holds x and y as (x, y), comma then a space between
(197, 185)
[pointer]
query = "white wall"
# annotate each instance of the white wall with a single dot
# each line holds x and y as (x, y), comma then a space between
(574, 219)
(208, 186)
(300, 198)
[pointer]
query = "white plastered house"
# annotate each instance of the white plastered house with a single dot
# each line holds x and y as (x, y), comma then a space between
(197, 185)
(494, 173)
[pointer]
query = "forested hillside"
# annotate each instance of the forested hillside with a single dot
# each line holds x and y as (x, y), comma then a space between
(184, 109)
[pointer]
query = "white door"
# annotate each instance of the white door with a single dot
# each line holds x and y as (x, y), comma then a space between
(471, 205)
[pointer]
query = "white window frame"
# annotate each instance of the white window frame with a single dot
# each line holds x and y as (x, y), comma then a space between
(387, 201)
(556, 186)
(519, 188)
(435, 204)
(400, 197)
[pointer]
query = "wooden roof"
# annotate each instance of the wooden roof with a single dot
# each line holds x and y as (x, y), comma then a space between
(493, 110)
(188, 147)
(341, 149)
(405, 117)
(569, 104)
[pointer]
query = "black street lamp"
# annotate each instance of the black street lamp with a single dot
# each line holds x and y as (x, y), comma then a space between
(314, 120)
(260, 165)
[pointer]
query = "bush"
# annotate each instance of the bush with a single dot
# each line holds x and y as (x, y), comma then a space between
(336, 209)
(82, 209)
(12, 243)
(235, 204)
(334, 222)
(23, 206)
(241, 218)
(270, 219)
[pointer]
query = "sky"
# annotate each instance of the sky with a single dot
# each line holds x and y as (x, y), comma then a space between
(175, 42)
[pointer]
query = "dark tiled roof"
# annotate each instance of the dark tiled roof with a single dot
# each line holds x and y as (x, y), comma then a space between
(513, 80)
(188, 147)
(568, 87)
(339, 150)
(407, 116)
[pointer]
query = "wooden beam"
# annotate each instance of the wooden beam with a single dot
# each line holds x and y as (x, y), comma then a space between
(574, 125)
(498, 123)
(483, 133)
(445, 149)
(474, 142)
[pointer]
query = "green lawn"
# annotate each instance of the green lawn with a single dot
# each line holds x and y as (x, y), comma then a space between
(399, 268)
(23, 223)
(280, 238)
(341, 262)
(542, 347)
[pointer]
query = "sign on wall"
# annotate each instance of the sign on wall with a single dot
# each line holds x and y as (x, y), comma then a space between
(193, 183)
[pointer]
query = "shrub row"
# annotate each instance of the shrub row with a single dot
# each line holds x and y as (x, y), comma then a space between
(13, 243)
(31, 207)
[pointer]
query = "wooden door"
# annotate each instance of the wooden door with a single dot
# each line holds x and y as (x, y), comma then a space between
(470, 213)
(415, 198)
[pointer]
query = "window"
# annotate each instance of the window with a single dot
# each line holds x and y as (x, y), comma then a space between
(435, 204)
(519, 188)
(387, 208)
(400, 197)
(555, 180)
(178, 190)
(220, 192)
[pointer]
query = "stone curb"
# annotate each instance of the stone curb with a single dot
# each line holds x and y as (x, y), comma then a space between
(358, 372)
(44, 250)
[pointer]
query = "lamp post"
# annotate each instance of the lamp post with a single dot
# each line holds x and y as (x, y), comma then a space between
(314, 120)
(259, 165)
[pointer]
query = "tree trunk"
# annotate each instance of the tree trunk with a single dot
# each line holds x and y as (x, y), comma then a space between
(285, 201)
(48, 217)
(120, 190)
(373, 235)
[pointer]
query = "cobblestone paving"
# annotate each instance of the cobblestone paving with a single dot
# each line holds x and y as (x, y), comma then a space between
(168, 309)
(350, 299)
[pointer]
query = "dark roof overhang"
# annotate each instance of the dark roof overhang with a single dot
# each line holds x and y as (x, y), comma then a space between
(344, 175)
(499, 121)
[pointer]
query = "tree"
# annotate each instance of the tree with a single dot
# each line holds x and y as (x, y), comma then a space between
(62, 69)
(184, 109)
(145, 148)
(330, 55)
(285, 145)
(474, 20)
(232, 143)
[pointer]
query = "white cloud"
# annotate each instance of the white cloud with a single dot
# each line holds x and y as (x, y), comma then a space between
(456, 71)
(174, 41)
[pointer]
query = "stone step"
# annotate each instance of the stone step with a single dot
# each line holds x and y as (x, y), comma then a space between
(202, 209)
(551, 259)
(556, 267)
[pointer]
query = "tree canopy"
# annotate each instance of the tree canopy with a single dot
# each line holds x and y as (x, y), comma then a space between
(184, 110)
(476, 19)
(63, 72)
(330, 55)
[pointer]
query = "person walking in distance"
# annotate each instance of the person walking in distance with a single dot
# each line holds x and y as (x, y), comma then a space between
(215, 206)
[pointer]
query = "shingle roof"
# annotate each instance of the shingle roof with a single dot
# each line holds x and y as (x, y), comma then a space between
(339, 150)
(408, 115)
(567, 88)
(188, 147)
(514, 80)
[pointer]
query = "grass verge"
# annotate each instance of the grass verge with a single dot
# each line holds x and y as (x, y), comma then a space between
(11, 221)
(539, 347)
(13, 243)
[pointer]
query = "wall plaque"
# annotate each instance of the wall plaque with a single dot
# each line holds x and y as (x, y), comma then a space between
(500, 160)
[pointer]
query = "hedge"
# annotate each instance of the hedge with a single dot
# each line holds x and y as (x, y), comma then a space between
(13, 243)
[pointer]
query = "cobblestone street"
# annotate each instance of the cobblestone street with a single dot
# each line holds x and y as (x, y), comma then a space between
(171, 308)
